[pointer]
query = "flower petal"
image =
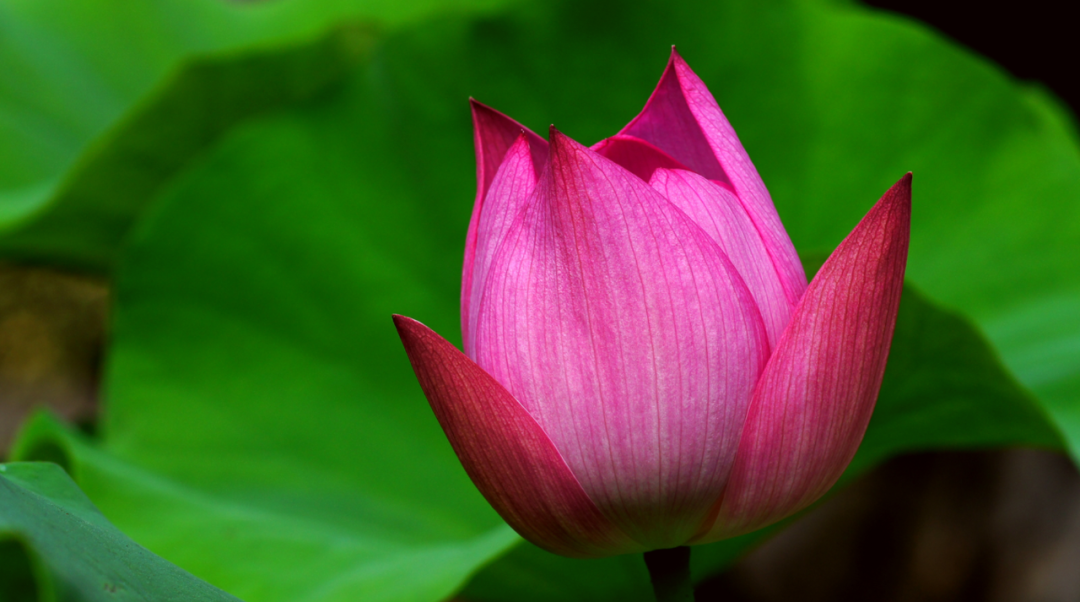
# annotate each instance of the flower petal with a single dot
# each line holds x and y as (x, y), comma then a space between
(682, 119)
(714, 207)
(506, 453)
(627, 333)
(812, 404)
(509, 190)
(494, 134)
(718, 211)
(636, 156)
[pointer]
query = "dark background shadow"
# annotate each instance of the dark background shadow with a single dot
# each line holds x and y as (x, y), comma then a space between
(1034, 40)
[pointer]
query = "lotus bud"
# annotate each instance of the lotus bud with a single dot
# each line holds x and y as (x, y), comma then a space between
(644, 364)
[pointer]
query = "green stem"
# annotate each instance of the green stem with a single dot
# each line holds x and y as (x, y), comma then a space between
(670, 573)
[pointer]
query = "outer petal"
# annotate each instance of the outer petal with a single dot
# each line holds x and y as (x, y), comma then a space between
(683, 119)
(509, 190)
(493, 134)
(718, 211)
(626, 332)
(812, 404)
(506, 453)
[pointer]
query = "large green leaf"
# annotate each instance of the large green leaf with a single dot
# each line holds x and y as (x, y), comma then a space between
(79, 120)
(295, 532)
(996, 230)
(90, 212)
(55, 545)
(255, 384)
(945, 388)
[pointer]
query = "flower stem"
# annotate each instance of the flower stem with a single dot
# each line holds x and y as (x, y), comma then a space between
(670, 573)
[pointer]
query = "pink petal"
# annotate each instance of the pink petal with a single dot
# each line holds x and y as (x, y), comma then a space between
(718, 211)
(509, 190)
(812, 404)
(506, 453)
(683, 120)
(493, 134)
(636, 156)
(626, 332)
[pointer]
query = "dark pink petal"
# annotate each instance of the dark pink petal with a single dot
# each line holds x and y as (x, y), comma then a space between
(511, 188)
(812, 404)
(493, 135)
(506, 453)
(627, 333)
(636, 156)
(718, 211)
(682, 119)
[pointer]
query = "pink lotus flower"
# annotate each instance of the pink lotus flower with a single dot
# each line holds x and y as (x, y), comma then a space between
(645, 366)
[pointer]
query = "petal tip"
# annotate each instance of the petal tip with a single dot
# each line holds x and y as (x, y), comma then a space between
(477, 107)
(567, 153)
(406, 326)
(560, 142)
(494, 133)
(904, 183)
(677, 60)
(898, 197)
(484, 114)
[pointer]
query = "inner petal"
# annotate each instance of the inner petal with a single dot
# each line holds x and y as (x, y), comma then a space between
(722, 215)
(637, 156)
(627, 333)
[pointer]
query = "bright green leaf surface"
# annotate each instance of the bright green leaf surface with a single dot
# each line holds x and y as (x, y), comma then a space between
(256, 387)
(277, 398)
(299, 534)
(49, 527)
(91, 212)
(71, 70)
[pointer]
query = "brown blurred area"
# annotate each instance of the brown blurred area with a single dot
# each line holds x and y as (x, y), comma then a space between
(52, 332)
(976, 526)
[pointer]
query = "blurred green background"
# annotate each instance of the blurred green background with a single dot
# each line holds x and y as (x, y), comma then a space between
(248, 190)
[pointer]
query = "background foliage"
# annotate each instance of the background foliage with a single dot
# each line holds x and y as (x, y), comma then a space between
(265, 184)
